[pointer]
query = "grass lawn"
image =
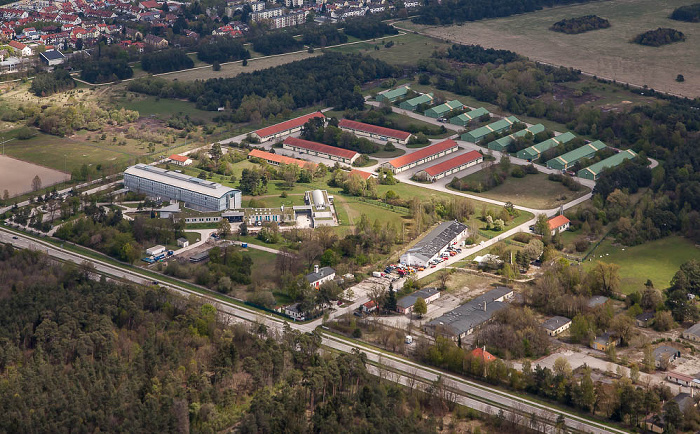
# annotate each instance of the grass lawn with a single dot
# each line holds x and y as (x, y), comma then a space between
(614, 57)
(388, 154)
(532, 191)
(402, 123)
(162, 108)
(656, 260)
(407, 49)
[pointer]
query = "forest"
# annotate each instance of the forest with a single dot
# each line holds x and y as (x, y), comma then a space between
(368, 28)
(574, 26)
(112, 357)
(330, 79)
(157, 62)
(457, 11)
(689, 13)
(48, 83)
(479, 55)
(659, 37)
(276, 43)
(221, 50)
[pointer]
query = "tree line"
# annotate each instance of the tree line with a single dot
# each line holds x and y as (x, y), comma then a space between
(221, 50)
(157, 62)
(48, 83)
(330, 78)
(479, 55)
(574, 26)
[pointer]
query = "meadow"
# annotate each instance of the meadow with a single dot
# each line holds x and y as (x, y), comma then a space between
(606, 53)
(16, 176)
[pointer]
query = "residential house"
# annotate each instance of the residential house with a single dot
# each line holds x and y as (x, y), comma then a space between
(485, 356)
(180, 160)
(558, 224)
(320, 276)
(293, 312)
(155, 41)
(556, 325)
(369, 307)
(20, 48)
(604, 341)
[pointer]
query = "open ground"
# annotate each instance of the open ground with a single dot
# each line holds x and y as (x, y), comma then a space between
(606, 53)
(16, 176)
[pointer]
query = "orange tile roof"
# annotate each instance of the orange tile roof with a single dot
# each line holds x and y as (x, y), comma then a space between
(280, 159)
(287, 125)
(363, 174)
(319, 147)
(483, 354)
(557, 222)
(407, 159)
(180, 158)
(368, 128)
(453, 162)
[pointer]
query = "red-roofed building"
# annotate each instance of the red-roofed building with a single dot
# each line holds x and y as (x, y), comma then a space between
(451, 166)
(369, 307)
(421, 156)
(361, 173)
(276, 159)
(483, 355)
(374, 131)
(558, 224)
(21, 48)
(285, 128)
(320, 150)
(180, 160)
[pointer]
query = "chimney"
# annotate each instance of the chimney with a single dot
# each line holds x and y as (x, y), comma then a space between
(315, 268)
(484, 306)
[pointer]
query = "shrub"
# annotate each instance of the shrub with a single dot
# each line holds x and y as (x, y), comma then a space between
(517, 172)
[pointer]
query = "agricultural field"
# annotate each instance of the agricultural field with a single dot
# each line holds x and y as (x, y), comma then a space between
(16, 176)
(606, 53)
(656, 260)
(532, 191)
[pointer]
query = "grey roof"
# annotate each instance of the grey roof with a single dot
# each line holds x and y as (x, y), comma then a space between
(410, 299)
(605, 338)
(293, 308)
(693, 330)
(663, 350)
(684, 401)
(52, 55)
(597, 300)
(437, 239)
(199, 256)
(179, 180)
(175, 207)
(472, 314)
(646, 316)
(555, 322)
(181, 240)
(325, 271)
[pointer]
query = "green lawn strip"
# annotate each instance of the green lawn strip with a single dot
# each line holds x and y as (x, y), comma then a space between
(535, 401)
(251, 239)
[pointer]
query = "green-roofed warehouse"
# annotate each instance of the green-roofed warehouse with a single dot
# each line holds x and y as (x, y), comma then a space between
(467, 117)
(476, 135)
(502, 143)
(413, 103)
(441, 110)
(565, 161)
(533, 152)
(393, 94)
(593, 171)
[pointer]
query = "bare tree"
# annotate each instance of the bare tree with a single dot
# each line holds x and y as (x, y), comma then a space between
(377, 293)
(36, 183)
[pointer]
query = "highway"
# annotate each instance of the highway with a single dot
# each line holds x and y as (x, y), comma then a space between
(392, 367)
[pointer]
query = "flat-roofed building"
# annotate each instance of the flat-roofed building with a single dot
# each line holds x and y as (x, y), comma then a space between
(320, 150)
(276, 159)
(503, 143)
(421, 156)
(593, 171)
(567, 160)
(194, 193)
(285, 128)
(533, 152)
(374, 131)
(556, 325)
(436, 242)
(451, 166)
(478, 134)
(469, 116)
(405, 304)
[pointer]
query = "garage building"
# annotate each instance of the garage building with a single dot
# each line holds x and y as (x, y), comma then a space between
(446, 234)
(593, 172)
(413, 103)
(533, 152)
(421, 156)
(478, 134)
(566, 161)
(469, 116)
(393, 94)
(451, 166)
(374, 131)
(285, 128)
(320, 150)
(503, 143)
(443, 109)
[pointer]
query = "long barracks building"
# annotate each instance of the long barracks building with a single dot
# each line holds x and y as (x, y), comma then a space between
(429, 153)
(277, 160)
(451, 166)
(194, 193)
(566, 161)
(320, 150)
(374, 131)
(285, 128)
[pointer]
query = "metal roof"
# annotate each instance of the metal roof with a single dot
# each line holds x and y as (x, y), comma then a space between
(499, 125)
(445, 107)
(468, 116)
(369, 128)
(52, 55)
(422, 153)
(450, 164)
(437, 239)
(507, 140)
(693, 330)
(392, 94)
(410, 299)
(473, 313)
(179, 180)
(609, 162)
(535, 150)
(319, 147)
(420, 99)
(555, 322)
(584, 151)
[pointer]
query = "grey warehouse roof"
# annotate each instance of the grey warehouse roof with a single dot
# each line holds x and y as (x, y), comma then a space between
(180, 180)
(437, 239)
(555, 322)
(597, 300)
(693, 330)
(325, 271)
(52, 55)
(472, 314)
(410, 300)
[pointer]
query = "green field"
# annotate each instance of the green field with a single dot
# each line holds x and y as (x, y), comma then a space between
(606, 53)
(532, 191)
(161, 108)
(407, 49)
(656, 260)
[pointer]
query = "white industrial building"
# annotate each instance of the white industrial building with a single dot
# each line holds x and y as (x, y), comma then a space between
(194, 193)
(447, 234)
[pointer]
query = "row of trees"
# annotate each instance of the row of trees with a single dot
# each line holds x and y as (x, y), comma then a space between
(157, 62)
(221, 50)
(48, 83)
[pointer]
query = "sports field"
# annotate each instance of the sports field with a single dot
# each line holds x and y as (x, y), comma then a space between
(656, 260)
(16, 176)
(606, 53)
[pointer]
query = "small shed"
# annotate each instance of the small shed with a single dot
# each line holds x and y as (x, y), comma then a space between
(183, 242)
